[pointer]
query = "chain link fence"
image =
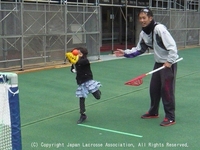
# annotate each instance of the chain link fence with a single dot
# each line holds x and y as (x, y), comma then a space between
(40, 34)
(183, 25)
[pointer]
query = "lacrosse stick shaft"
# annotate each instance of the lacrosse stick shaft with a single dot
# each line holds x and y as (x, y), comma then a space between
(138, 80)
(162, 67)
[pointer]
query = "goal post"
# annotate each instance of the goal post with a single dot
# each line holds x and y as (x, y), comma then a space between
(10, 126)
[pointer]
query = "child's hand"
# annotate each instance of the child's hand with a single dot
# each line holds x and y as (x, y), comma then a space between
(72, 58)
(73, 70)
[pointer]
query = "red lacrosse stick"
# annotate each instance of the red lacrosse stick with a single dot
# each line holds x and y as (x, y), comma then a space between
(138, 80)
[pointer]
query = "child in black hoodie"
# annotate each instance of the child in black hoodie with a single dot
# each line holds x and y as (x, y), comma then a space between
(84, 78)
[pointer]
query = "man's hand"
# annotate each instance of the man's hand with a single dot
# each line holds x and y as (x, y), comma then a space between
(167, 64)
(119, 53)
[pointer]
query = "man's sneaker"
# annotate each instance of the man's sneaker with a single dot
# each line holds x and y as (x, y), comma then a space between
(167, 122)
(149, 116)
(82, 118)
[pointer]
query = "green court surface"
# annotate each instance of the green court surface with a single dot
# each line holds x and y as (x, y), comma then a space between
(49, 108)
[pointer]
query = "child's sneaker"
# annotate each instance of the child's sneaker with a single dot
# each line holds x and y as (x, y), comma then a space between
(167, 122)
(82, 118)
(149, 116)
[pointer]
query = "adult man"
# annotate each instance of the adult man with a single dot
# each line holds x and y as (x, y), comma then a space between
(162, 85)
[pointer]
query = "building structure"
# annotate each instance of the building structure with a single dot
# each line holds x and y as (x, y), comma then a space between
(39, 32)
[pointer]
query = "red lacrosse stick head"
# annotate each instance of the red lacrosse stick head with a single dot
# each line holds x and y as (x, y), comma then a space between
(136, 81)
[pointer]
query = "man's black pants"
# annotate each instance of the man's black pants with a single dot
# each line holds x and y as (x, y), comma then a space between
(162, 86)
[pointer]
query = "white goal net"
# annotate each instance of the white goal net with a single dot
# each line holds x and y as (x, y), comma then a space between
(10, 131)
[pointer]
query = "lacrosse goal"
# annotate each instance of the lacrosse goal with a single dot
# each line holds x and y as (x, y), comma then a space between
(10, 130)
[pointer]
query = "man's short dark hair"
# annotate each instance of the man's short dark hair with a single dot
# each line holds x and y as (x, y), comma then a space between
(147, 11)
